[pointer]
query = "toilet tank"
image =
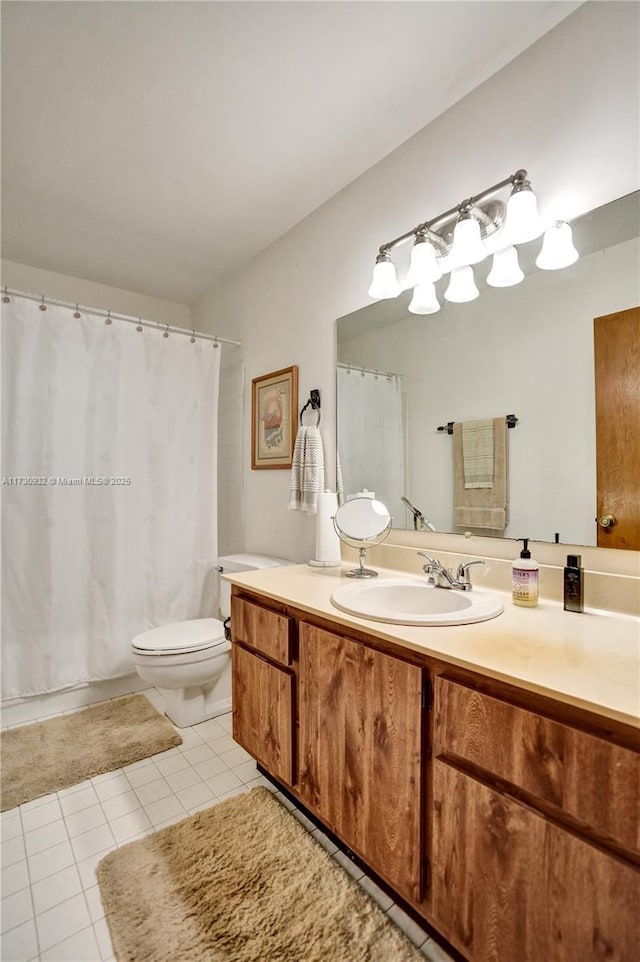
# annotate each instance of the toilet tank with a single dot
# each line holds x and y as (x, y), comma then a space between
(231, 563)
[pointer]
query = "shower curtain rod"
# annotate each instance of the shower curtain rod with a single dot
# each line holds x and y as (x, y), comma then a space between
(109, 315)
(358, 369)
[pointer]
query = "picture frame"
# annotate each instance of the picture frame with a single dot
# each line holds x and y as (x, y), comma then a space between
(274, 421)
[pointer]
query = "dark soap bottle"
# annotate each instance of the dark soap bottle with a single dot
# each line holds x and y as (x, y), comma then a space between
(574, 584)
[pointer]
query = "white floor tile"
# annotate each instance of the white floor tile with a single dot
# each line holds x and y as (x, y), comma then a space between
(190, 738)
(105, 777)
(56, 888)
(16, 909)
(164, 809)
(77, 801)
(94, 901)
(117, 785)
(121, 805)
(36, 802)
(59, 923)
(47, 836)
(81, 947)
(153, 791)
(128, 826)
(432, 951)
(376, 893)
(42, 815)
(11, 827)
(328, 845)
(233, 793)
(246, 772)
(184, 779)
(168, 763)
(212, 766)
(20, 943)
(223, 744)
(304, 821)
(12, 850)
(410, 928)
(262, 782)
(136, 766)
(84, 821)
(14, 878)
(50, 861)
(224, 782)
(195, 795)
(199, 753)
(210, 730)
(74, 789)
(97, 840)
(349, 866)
(103, 937)
(142, 776)
(87, 867)
(225, 722)
(288, 804)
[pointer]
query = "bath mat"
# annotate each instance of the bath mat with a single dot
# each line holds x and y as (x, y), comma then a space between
(241, 882)
(50, 755)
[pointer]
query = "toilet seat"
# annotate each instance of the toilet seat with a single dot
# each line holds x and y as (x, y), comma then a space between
(181, 638)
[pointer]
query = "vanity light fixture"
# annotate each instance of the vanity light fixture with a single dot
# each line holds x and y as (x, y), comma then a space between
(465, 235)
(424, 300)
(557, 248)
(384, 282)
(505, 269)
(462, 286)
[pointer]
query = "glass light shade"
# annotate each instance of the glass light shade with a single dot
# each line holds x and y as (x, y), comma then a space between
(384, 282)
(424, 300)
(505, 270)
(522, 222)
(557, 249)
(467, 244)
(462, 286)
(423, 267)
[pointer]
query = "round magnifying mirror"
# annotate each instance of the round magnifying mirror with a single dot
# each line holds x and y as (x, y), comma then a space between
(362, 522)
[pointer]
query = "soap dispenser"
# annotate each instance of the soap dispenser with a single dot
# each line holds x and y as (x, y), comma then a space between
(525, 578)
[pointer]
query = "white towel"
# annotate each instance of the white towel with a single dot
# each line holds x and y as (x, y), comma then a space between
(307, 471)
(477, 453)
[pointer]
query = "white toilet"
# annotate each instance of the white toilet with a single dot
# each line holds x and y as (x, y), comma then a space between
(189, 661)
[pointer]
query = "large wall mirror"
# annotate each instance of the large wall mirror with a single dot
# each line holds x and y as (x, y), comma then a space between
(526, 351)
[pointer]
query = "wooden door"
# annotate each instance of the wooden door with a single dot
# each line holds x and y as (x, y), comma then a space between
(510, 885)
(360, 751)
(617, 386)
(263, 711)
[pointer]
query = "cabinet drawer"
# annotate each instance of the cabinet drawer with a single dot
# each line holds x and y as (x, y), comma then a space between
(263, 711)
(590, 779)
(263, 630)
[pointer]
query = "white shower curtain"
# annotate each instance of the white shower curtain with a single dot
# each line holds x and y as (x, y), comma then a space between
(108, 491)
(371, 435)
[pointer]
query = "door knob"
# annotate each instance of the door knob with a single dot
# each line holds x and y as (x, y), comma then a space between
(607, 521)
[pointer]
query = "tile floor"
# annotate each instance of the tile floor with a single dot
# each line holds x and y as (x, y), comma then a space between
(51, 908)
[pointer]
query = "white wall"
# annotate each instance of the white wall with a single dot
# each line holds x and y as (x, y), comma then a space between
(566, 109)
(34, 280)
(526, 350)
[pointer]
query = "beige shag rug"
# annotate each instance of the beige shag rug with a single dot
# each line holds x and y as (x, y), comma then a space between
(50, 755)
(241, 882)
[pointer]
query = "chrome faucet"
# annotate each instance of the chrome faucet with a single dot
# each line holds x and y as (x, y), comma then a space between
(441, 577)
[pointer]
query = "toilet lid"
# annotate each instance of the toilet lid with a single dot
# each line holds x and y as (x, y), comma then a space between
(181, 637)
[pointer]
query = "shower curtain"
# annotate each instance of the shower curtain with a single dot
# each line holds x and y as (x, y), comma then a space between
(108, 491)
(371, 435)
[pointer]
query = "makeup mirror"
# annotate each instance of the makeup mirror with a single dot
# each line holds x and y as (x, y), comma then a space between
(360, 523)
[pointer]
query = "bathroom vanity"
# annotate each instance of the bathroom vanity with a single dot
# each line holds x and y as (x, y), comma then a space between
(490, 779)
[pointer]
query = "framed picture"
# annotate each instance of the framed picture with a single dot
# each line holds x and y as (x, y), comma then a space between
(274, 421)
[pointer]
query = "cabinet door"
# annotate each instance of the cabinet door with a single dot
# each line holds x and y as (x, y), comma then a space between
(263, 712)
(360, 745)
(509, 884)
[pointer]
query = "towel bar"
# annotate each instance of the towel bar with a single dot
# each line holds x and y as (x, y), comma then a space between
(511, 420)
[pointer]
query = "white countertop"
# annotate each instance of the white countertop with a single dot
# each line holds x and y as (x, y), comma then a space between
(591, 660)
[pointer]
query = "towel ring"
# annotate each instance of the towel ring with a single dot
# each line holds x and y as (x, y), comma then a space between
(314, 403)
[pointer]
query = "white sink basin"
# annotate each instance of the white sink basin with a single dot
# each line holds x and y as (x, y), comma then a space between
(411, 601)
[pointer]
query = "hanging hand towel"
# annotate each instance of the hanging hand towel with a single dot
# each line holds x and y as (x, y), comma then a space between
(482, 507)
(477, 453)
(307, 471)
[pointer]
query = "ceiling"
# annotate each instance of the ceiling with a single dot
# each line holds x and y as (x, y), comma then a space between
(158, 146)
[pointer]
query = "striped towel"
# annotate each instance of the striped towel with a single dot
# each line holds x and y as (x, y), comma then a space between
(477, 453)
(307, 471)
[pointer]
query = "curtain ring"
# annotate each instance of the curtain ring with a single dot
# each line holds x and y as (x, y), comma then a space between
(166, 333)
(6, 299)
(42, 306)
(107, 319)
(139, 325)
(77, 313)
(193, 337)
(215, 343)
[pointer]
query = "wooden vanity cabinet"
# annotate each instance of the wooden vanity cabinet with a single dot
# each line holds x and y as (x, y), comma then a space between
(524, 810)
(360, 717)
